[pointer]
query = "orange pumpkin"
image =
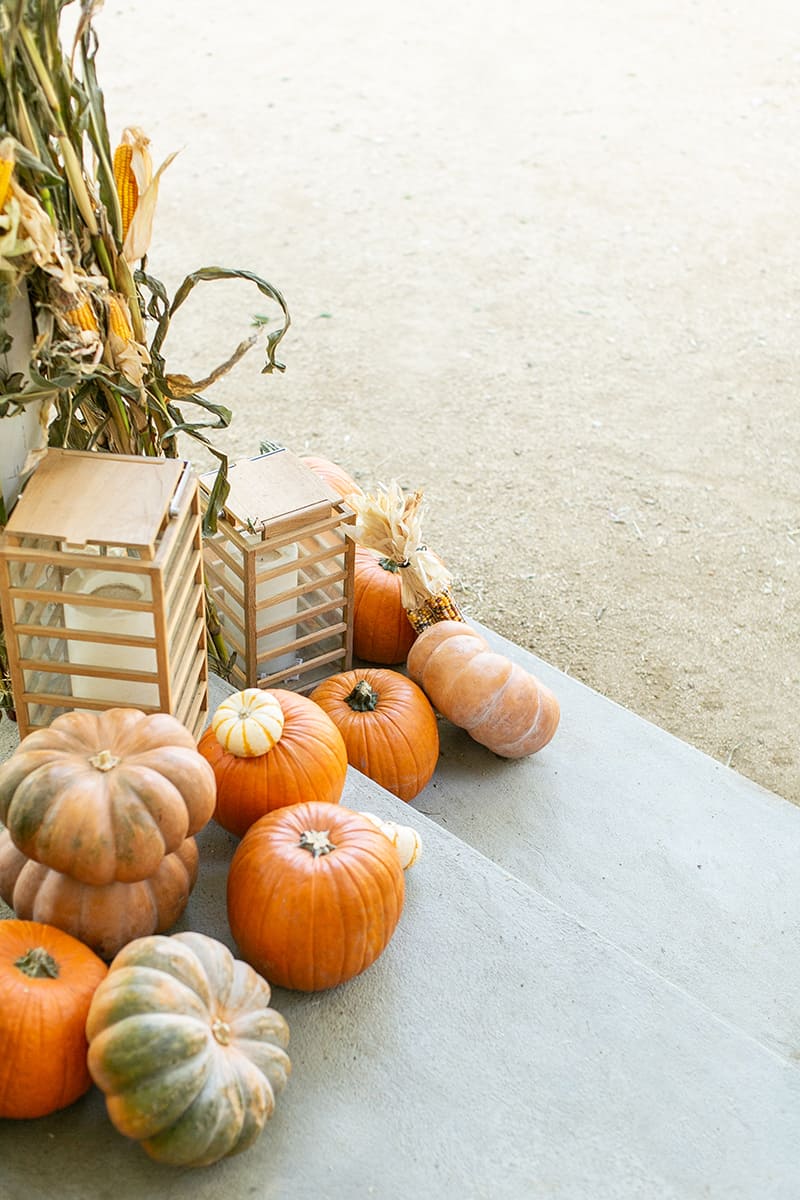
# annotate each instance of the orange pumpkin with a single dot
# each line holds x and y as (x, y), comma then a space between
(499, 704)
(315, 892)
(382, 632)
(47, 980)
(335, 476)
(104, 796)
(388, 726)
(301, 758)
(105, 918)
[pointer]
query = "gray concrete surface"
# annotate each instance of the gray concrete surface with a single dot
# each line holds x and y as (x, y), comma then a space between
(682, 862)
(505, 1046)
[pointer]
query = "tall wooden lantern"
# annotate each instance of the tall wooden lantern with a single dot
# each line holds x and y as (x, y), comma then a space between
(101, 585)
(280, 571)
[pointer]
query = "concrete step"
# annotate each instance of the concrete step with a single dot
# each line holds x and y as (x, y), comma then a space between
(498, 1049)
(503, 1047)
(680, 861)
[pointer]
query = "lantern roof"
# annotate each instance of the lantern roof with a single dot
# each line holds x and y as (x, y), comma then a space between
(84, 498)
(273, 491)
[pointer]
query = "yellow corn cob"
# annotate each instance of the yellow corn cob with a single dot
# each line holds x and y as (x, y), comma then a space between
(118, 321)
(6, 170)
(127, 187)
(441, 607)
(82, 317)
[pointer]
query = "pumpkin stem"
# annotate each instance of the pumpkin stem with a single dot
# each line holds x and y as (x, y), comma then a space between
(221, 1031)
(38, 964)
(363, 697)
(389, 564)
(104, 760)
(317, 841)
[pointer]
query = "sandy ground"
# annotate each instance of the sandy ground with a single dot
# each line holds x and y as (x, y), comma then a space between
(542, 262)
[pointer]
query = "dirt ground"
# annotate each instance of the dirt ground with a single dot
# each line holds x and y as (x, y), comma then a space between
(542, 262)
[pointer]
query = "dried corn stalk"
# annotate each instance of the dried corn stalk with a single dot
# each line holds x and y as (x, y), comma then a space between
(76, 220)
(390, 523)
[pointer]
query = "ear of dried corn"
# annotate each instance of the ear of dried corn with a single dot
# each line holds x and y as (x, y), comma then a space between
(390, 523)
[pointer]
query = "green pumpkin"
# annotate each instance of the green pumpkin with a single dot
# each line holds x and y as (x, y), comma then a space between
(184, 1046)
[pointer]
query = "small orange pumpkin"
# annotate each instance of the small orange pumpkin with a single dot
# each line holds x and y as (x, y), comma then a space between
(315, 892)
(335, 476)
(388, 726)
(47, 980)
(269, 748)
(499, 704)
(382, 632)
(104, 918)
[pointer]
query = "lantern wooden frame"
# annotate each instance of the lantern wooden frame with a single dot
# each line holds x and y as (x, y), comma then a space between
(280, 572)
(133, 523)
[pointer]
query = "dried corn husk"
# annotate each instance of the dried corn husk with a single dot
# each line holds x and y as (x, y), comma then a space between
(390, 523)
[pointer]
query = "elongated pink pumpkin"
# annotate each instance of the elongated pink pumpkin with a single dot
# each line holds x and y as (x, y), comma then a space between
(495, 700)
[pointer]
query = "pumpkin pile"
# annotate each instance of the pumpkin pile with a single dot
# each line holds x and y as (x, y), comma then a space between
(98, 858)
(100, 811)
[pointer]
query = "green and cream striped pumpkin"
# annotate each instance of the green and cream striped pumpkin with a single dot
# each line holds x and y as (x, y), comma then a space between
(184, 1045)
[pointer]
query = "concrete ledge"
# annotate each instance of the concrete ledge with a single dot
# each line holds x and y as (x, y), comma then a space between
(541, 1024)
(679, 860)
(498, 1049)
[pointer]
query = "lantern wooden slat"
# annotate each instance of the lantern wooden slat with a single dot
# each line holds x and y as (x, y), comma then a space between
(280, 571)
(97, 541)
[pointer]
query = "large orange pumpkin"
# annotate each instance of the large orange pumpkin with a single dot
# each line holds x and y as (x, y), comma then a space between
(104, 796)
(269, 748)
(388, 726)
(382, 632)
(499, 704)
(335, 476)
(315, 892)
(47, 980)
(107, 917)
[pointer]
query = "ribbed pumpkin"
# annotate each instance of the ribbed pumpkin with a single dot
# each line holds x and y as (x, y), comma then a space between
(315, 892)
(269, 749)
(104, 796)
(382, 632)
(47, 980)
(335, 476)
(184, 1045)
(388, 726)
(499, 704)
(105, 918)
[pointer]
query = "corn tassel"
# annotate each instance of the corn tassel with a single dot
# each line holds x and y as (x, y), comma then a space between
(127, 187)
(82, 317)
(118, 321)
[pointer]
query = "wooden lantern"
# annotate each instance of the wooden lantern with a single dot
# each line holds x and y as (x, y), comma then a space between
(280, 573)
(101, 586)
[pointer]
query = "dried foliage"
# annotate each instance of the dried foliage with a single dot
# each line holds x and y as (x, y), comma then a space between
(75, 224)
